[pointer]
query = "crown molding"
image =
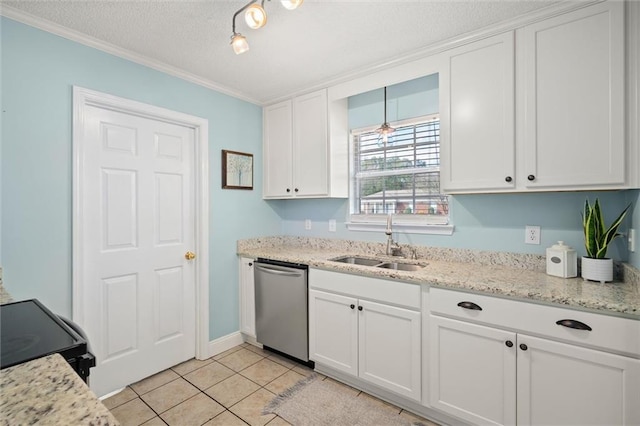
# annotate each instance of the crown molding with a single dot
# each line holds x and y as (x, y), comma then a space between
(78, 37)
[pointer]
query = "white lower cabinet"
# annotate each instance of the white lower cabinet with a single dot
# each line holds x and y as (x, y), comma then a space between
(491, 375)
(389, 347)
(473, 371)
(563, 384)
(333, 331)
(376, 342)
(247, 298)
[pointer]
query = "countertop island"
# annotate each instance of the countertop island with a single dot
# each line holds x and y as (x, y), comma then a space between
(517, 276)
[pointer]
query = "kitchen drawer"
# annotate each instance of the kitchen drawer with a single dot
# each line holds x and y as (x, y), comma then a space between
(387, 291)
(614, 334)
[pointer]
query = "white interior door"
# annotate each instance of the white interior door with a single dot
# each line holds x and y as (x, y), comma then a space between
(138, 223)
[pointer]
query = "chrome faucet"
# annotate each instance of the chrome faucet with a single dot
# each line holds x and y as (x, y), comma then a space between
(391, 251)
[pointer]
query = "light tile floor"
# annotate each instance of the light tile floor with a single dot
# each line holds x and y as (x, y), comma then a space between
(228, 389)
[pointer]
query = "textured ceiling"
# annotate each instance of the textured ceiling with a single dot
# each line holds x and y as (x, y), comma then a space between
(322, 40)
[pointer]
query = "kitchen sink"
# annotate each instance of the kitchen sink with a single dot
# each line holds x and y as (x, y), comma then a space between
(354, 260)
(398, 266)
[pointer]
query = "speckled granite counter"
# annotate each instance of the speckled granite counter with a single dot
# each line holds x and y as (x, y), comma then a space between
(4, 296)
(47, 391)
(501, 274)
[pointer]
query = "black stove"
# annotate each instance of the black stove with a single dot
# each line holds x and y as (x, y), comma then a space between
(28, 330)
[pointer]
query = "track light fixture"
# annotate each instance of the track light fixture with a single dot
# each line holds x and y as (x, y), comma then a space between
(255, 17)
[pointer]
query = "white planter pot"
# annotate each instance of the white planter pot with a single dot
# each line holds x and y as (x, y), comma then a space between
(597, 269)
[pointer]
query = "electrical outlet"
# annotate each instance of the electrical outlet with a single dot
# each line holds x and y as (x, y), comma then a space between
(332, 225)
(307, 224)
(532, 234)
(632, 240)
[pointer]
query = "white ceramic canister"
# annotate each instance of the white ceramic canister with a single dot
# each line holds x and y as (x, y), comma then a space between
(562, 261)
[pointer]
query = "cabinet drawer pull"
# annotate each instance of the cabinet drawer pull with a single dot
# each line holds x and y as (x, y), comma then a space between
(470, 305)
(574, 324)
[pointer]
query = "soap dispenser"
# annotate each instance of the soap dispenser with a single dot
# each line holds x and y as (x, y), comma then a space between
(562, 261)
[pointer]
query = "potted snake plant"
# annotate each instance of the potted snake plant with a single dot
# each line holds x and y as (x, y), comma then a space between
(597, 237)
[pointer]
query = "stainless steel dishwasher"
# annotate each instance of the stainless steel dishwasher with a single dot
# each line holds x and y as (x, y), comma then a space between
(281, 307)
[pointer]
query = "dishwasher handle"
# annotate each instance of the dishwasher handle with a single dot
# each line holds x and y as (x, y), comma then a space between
(278, 271)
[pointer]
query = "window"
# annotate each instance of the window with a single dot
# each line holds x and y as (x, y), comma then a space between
(400, 176)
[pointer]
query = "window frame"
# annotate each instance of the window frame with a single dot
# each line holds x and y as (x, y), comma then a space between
(409, 223)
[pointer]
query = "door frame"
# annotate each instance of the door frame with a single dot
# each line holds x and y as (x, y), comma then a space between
(83, 98)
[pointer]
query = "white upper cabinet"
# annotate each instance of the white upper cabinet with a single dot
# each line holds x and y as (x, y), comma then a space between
(478, 127)
(298, 149)
(546, 113)
(277, 151)
(572, 98)
(310, 151)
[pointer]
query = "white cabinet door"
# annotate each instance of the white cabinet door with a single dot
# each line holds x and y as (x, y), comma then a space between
(277, 151)
(573, 99)
(478, 132)
(310, 149)
(389, 348)
(296, 147)
(473, 371)
(562, 384)
(247, 298)
(333, 331)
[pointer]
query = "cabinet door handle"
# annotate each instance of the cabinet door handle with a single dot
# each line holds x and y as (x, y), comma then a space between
(470, 305)
(288, 190)
(509, 343)
(523, 346)
(531, 177)
(353, 306)
(508, 179)
(250, 263)
(359, 308)
(296, 190)
(574, 324)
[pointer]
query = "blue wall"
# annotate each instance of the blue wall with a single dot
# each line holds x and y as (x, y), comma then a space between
(410, 99)
(38, 72)
(482, 222)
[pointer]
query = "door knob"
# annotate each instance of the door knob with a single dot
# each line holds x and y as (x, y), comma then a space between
(189, 255)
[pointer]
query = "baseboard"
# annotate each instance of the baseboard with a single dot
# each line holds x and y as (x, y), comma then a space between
(224, 343)
(251, 340)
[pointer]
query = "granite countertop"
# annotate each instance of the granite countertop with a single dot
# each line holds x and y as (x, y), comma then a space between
(519, 277)
(47, 391)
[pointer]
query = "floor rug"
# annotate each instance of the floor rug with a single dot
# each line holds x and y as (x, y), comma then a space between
(316, 402)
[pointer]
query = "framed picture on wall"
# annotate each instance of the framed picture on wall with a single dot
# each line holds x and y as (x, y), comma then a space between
(237, 170)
